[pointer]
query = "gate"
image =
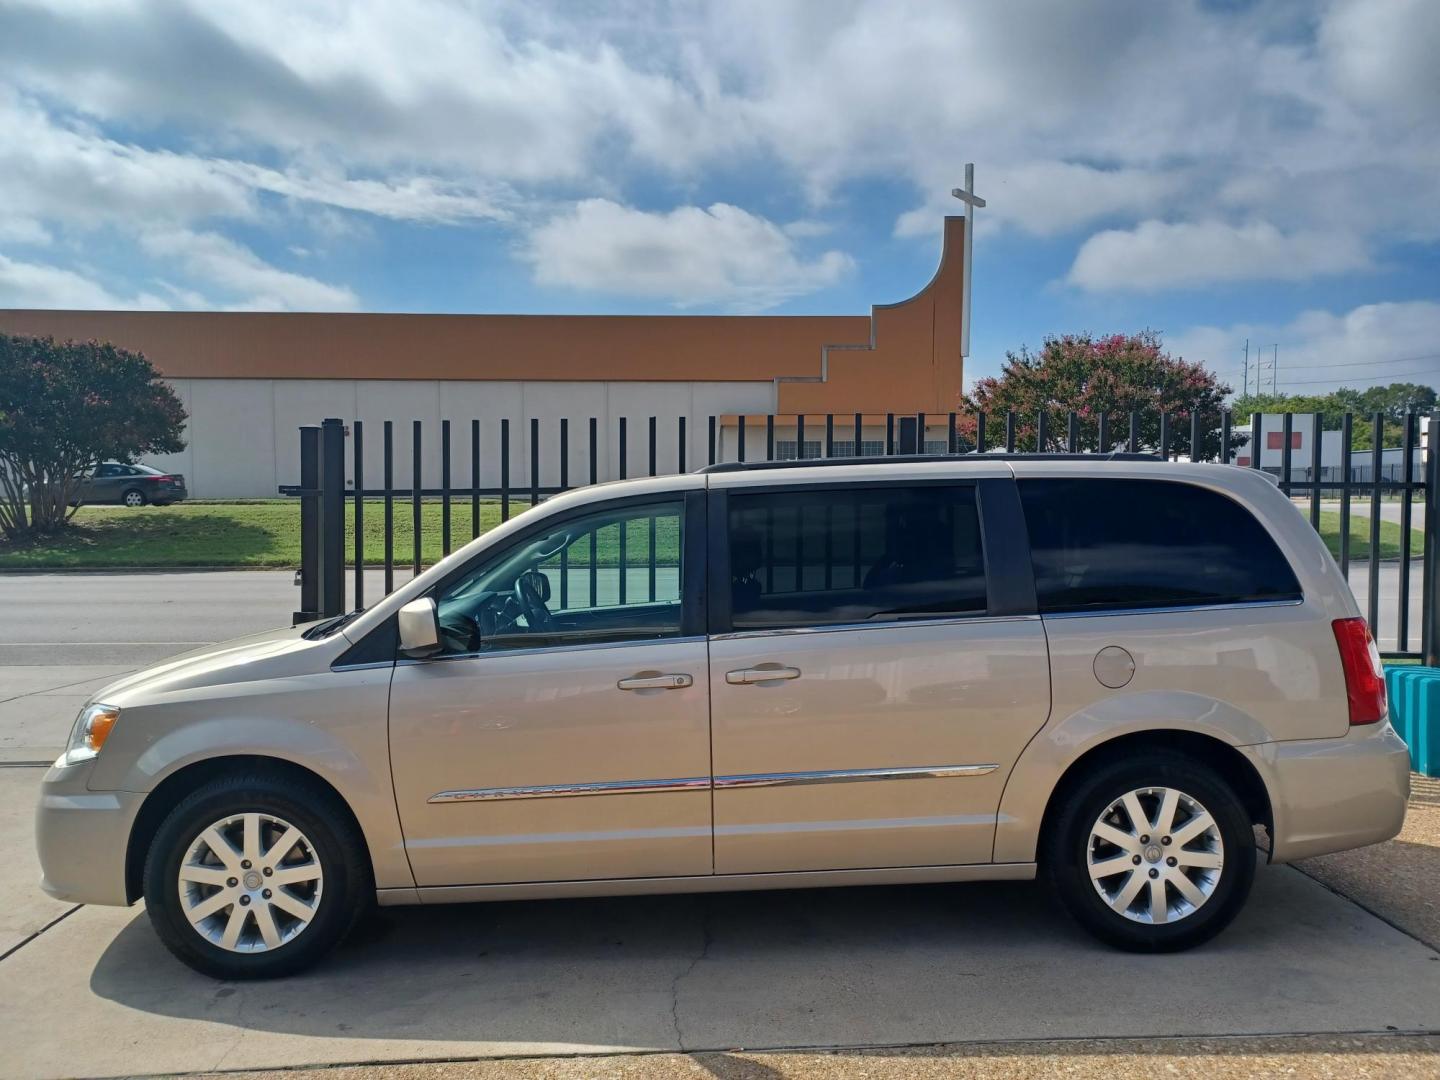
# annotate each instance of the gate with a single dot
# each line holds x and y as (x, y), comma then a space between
(1326, 493)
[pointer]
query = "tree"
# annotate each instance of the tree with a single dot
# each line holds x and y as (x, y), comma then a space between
(1111, 376)
(63, 409)
(1392, 402)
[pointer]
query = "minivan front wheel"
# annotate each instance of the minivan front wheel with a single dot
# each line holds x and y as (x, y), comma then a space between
(255, 877)
(1152, 854)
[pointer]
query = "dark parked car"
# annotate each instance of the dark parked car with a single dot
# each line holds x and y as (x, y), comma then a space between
(131, 485)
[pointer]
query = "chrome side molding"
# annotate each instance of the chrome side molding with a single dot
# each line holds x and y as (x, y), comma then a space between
(704, 783)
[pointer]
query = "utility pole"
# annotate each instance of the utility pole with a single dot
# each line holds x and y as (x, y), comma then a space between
(1245, 389)
(1275, 370)
(972, 202)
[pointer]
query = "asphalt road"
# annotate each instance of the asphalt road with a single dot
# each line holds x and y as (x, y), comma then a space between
(90, 991)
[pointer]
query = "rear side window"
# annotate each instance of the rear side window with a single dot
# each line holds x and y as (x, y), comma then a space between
(1100, 544)
(854, 554)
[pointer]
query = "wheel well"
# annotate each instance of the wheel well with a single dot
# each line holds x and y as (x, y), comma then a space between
(1228, 762)
(181, 783)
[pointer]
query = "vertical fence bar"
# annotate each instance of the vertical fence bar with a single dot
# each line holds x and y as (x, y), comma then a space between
(741, 437)
(1195, 436)
(1377, 461)
(1287, 425)
(712, 442)
(889, 434)
(980, 446)
(1407, 458)
(652, 445)
(564, 453)
(859, 432)
(1134, 432)
(594, 577)
(474, 479)
(594, 450)
(1010, 432)
(1430, 603)
(309, 524)
(389, 468)
(1255, 433)
(1103, 436)
(332, 517)
(799, 436)
(770, 437)
(1346, 432)
(1072, 432)
(1225, 437)
(1317, 439)
(505, 469)
(829, 435)
(920, 433)
(651, 561)
(624, 453)
(416, 486)
(680, 444)
(445, 487)
(1164, 436)
(1042, 432)
(534, 461)
(952, 436)
(359, 450)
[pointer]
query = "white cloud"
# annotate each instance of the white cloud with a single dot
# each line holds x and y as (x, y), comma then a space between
(236, 269)
(1160, 255)
(36, 285)
(1369, 345)
(688, 256)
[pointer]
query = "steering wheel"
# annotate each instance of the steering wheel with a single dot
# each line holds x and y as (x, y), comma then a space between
(530, 590)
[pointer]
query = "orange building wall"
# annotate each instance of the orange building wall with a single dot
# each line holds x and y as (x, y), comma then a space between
(903, 357)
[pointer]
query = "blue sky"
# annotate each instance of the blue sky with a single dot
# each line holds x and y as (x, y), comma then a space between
(1215, 171)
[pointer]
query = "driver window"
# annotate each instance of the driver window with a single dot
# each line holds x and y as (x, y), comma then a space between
(610, 576)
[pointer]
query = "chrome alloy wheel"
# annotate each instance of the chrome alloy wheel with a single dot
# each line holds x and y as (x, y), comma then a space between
(1155, 855)
(250, 883)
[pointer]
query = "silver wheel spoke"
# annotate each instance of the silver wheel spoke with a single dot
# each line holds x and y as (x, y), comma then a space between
(1187, 888)
(1121, 878)
(282, 847)
(1117, 865)
(1131, 889)
(223, 849)
(1159, 905)
(251, 847)
(205, 875)
(296, 875)
(231, 937)
(292, 905)
(209, 906)
(265, 920)
(1192, 828)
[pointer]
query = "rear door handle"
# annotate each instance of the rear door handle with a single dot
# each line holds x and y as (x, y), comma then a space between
(760, 674)
(677, 681)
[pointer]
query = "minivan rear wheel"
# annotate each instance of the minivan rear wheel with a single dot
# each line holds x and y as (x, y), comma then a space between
(255, 877)
(1154, 853)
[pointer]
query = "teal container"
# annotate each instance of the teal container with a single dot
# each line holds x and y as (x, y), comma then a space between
(1414, 694)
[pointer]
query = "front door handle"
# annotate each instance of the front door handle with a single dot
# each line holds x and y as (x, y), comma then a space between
(761, 674)
(677, 681)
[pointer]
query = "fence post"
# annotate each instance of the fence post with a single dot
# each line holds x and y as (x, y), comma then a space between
(332, 517)
(1430, 609)
(309, 573)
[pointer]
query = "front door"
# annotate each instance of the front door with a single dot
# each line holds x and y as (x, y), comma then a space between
(869, 694)
(564, 731)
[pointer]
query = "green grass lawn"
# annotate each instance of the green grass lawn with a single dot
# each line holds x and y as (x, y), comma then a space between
(267, 533)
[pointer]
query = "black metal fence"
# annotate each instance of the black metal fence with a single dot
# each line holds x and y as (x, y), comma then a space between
(324, 491)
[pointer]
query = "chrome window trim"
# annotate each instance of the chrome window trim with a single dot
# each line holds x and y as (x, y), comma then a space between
(845, 776)
(980, 618)
(704, 783)
(1171, 609)
(565, 791)
(441, 658)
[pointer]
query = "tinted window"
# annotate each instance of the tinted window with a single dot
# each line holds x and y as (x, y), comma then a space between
(1147, 543)
(856, 554)
(608, 576)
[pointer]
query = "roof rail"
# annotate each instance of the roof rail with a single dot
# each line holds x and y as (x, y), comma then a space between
(913, 459)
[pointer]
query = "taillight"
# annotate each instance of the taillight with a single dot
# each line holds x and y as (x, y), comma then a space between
(1364, 678)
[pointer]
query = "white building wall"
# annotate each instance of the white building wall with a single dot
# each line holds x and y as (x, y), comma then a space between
(243, 436)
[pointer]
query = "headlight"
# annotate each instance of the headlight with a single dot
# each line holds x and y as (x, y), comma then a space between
(92, 728)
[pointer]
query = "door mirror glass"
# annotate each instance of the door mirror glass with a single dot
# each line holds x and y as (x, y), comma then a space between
(419, 627)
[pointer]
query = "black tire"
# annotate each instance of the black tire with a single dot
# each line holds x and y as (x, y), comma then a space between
(125, 497)
(348, 890)
(1066, 853)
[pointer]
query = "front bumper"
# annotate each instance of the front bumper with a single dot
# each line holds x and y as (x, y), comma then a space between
(1334, 794)
(82, 837)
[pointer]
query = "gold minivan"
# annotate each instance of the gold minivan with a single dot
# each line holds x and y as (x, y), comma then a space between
(1116, 673)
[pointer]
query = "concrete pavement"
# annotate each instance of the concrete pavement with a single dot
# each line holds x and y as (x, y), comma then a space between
(95, 994)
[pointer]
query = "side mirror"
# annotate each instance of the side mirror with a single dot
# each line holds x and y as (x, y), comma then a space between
(419, 625)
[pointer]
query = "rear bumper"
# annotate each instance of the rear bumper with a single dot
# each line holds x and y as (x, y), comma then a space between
(82, 837)
(1334, 794)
